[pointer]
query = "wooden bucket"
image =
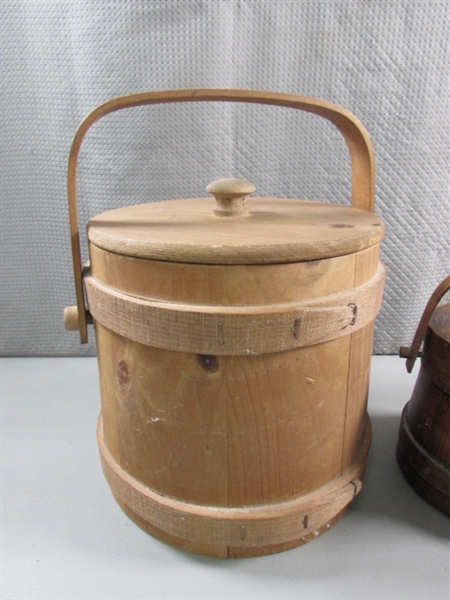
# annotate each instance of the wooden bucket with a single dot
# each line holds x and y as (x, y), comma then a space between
(423, 448)
(234, 344)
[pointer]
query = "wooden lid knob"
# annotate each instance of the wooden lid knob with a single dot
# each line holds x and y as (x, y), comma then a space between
(71, 322)
(230, 195)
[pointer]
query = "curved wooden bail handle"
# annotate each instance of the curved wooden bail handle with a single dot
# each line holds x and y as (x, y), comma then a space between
(356, 136)
(411, 353)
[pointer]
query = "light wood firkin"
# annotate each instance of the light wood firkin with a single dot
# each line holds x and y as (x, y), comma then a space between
(234, 341)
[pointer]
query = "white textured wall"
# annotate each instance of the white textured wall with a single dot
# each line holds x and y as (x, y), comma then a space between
(385, 61)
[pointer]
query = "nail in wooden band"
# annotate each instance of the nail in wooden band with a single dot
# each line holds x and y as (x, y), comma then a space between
(255, 526)
(235, 330)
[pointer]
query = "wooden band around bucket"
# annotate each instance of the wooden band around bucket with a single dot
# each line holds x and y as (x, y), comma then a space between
(253, 526)
(411, 454)
(218, 330)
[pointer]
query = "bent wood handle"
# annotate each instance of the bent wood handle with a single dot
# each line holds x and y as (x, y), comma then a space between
(412, 353)
(356, 136)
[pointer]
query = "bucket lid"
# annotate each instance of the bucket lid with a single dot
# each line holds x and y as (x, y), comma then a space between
(436, 348)
(235, 229)
(440, 322)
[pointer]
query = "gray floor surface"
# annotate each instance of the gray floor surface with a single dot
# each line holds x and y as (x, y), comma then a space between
(63, 536)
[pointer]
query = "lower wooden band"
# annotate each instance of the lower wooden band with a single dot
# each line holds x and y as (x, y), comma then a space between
(254, 526)
(417, 458)
(218, 330)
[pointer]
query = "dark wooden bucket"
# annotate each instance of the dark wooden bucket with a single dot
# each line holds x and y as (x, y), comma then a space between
(423, 449)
